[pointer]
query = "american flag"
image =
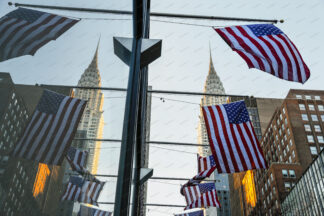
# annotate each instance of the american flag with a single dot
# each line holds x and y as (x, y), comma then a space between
(201, 195)
(266, 47)
(51, 129)
(24, 31)
(232, 139)
(195, 213)
(205, 163)
(88, 211)
(77, 159)
(81, 190)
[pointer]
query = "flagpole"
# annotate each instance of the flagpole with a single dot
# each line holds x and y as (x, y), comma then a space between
(154, 14)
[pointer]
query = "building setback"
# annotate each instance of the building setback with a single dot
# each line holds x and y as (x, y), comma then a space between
(292, 140)
(213, 85)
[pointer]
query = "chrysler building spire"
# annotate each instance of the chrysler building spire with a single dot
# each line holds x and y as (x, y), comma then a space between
(91, 76)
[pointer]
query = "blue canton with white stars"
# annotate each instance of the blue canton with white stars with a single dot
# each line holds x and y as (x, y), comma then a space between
(25, 14)
(50, 102)
(78, 181)
(204, 188)
(237, 112)
(212, 161)
(264, 29)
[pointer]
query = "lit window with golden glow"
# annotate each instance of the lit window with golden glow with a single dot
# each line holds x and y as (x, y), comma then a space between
(249, 188)
(40, 180)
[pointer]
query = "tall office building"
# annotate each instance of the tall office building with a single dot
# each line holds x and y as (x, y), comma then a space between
(92, 119)
(292, 140)
(213, 85)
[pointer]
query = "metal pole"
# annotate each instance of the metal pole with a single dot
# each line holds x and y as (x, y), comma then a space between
(156, 14)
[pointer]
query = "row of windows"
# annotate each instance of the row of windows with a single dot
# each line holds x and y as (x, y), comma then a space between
(310, 139)
(290, 172)
(311, 107)
(313, 117)
(317, 128)
(308, 97)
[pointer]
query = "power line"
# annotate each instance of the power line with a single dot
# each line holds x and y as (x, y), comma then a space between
(148, 142)
(149, 204)
(154, 14)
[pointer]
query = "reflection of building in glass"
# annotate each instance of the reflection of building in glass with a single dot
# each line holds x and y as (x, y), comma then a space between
(92, 119)
(18, 177)
(213, 85)
(249, 189)
(40, 180)
(308, 194)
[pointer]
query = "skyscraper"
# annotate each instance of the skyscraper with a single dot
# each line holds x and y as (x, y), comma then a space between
(92, 119)
(213, 85)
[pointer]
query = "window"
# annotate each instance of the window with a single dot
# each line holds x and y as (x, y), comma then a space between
(288, 131)
(320, 139)
(314, 117)
(308, 97)
(289, 159)
(287, 186)
(307, 127)
(310, 138)
(313, 150)
(284, 173)
(280, 116)
(311, 107)
(271, 176)
(283, 110)
(305, 117)
(317, 97)
(286, 121)
(292, 174)
(322, 117)
(290, 142)
(302, 106)
(293, 153)
(280, 158)
(317, 128)
(298, 96)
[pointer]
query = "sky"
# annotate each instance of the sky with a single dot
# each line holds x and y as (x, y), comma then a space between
(183, 66)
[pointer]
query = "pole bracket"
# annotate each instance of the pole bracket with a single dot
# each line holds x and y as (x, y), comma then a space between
(150, 50)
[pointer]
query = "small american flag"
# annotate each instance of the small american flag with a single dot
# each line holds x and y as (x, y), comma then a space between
(51, 129)
(81, 190)
(205, 163)
(201, 195)
(88, 211)
(232, 139)
(195, 213)
(24, 31)
(77, 159)
(266, 47)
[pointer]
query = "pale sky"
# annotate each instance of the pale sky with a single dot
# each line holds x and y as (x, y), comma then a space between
(183, 66)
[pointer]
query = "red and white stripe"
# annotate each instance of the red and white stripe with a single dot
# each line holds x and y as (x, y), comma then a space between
(91, 191)
(19, 37)
(72, 192)
(203, 163)
(275, 54)
(235, 146)
(47, 136)
(208, 199)
(102, 213)
(78, 162)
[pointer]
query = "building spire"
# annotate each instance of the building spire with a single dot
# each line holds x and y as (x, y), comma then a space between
(213, 83)
(91, 76)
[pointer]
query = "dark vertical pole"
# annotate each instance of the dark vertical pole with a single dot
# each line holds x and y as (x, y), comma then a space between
(141, 130)
(129, 136)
